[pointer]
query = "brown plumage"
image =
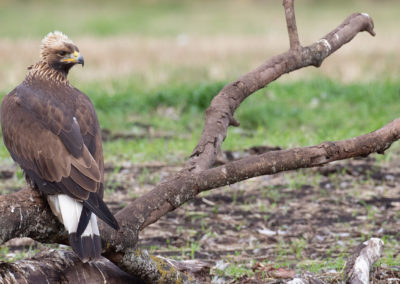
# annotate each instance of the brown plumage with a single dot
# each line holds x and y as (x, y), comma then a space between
(51, 130)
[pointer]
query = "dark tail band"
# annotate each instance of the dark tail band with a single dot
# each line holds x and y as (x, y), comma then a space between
(86, 247)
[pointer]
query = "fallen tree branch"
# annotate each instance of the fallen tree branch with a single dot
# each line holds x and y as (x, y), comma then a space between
(168, 195)
(197, 175)
(188, 184)
(268, 163)
(26, 214)
(357, 267)
(219, 116)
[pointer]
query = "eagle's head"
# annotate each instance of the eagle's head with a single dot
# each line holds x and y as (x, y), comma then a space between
(59, 52)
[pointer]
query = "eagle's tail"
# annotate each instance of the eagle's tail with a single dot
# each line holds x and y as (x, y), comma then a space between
(85, 243)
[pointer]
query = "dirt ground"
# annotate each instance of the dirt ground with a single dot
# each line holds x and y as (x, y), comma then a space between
(311, 218)
(303, 221)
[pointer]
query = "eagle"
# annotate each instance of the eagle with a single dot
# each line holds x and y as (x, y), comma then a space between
(52, 131)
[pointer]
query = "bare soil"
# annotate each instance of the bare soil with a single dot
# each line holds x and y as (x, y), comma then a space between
(297, 220)
(308, 220)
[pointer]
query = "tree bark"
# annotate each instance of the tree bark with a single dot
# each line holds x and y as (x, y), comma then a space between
(26, 214)
(361, 260)
(62, 266)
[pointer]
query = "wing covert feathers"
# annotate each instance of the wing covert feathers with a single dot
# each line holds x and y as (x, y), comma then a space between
(98, 207)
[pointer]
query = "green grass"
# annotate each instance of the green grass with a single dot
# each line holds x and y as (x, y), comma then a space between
(8, 257)
(288, 115)
(285, 114)
(318, 266)
(104, 18)
(234, 271)
(174, 17)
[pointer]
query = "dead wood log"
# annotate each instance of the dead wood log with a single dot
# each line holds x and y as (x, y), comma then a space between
(357, 267)
(361, 260)
(62, 266)
(23, 214)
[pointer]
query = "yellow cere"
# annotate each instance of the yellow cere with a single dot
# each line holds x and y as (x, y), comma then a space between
(72, 59)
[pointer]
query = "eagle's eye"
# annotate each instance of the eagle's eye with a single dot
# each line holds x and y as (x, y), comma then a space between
(62, 53)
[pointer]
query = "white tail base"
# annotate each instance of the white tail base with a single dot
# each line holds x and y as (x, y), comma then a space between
(68, 211)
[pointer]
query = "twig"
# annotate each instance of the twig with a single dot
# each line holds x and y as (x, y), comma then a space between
(291, 24)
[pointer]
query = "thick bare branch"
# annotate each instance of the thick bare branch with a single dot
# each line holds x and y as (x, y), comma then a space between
(62, 266)
(149, 268)
(291, 24)
(175, 192)
(219, 115)
(134, 261)
(25, 214)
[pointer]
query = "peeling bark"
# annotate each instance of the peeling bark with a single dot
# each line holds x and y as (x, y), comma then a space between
(25, 213)
(360, 262)
(152, 269)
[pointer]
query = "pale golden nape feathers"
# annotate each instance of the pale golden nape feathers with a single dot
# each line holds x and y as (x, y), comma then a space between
(58, 55)
(53, 41)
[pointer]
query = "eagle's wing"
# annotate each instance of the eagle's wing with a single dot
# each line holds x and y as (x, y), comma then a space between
(41, 141)
(46, 140)
(90, 130)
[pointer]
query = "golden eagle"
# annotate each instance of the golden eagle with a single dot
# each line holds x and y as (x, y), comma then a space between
(51, 130)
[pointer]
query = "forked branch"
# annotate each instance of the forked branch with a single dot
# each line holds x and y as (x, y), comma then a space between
(20, 210)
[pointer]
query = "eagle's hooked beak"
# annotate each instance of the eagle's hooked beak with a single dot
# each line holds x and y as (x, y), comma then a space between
(75, 57)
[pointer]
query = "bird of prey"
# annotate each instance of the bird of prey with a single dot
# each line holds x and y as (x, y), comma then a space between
(51, 130)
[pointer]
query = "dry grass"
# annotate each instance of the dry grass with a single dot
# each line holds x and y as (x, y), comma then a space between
(159, 41)
(187, 58)
(226, 51)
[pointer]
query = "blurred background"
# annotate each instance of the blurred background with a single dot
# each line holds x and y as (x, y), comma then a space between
(160, 62)
(160, 41)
